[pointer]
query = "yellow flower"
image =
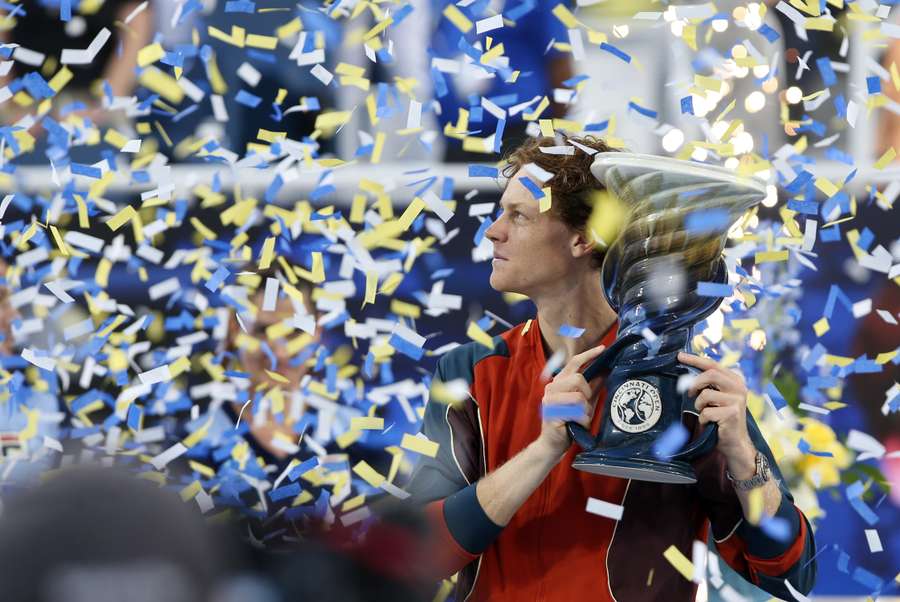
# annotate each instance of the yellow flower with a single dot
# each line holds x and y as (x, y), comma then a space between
(818, 470)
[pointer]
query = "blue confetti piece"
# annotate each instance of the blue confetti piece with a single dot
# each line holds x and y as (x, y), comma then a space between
(597, 127)
(446, 188)
(805, 207)
(712, 220)
(284, 492)
(854, 493)
(483, 171)
(714, 289)
(274, 187)
(768, 33)
(828, 76)
(870, 580)
(248, 100)
(873, 85)
(498, 135)
(563, 411)
(482, 229)
(217, 279)
(573, 332)
(775, 395)
(687, 106)
(303, 468)
(671, 441)
(532, 187)
(843, 562)
(80, 169)
(840, 106)
(830, 234)
(777, 528)
(405, 347)
(240, 6)
(642, 110)
(65, 10)
(615, 51)
(134, 417)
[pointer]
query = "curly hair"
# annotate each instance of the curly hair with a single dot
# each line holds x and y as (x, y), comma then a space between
(573, 185)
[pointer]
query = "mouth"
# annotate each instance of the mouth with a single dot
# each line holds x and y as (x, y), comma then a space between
(500, 258)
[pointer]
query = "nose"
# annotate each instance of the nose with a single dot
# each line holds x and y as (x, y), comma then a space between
(496, 231)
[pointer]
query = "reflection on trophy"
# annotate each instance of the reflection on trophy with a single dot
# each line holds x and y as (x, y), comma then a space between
(679, 215)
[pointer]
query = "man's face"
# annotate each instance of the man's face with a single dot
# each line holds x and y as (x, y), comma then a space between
(256, 361)
(532, 250)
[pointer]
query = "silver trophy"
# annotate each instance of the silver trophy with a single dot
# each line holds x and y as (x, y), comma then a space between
(680, 213)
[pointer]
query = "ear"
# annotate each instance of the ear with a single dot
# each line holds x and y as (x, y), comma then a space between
(581, 244)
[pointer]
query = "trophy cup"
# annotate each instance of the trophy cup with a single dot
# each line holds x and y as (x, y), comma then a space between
(679, 215)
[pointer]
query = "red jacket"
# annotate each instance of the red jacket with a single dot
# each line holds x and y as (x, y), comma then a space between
(553, 549)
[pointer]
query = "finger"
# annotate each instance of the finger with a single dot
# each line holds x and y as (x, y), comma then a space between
(567, 397)
(713, 398)
(704, 363)
(570, 382)
(714, 414)
(712, 379)
(578, 360)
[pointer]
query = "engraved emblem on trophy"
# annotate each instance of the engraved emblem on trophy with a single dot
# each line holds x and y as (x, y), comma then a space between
(679, 215)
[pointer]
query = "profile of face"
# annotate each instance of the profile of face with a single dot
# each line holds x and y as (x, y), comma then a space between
(534, 252)
(256, 362)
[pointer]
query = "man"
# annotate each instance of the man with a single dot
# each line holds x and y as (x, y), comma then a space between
(508, 509)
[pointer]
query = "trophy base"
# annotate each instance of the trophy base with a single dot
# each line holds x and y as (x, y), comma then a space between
(639, 469)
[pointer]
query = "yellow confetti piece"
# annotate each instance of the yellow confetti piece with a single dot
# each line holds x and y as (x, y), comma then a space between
(371, 286)
(332, 119)
(886, 158)
(680, 562)
(378, 147)
(883, 358)
(545, 201)
(368, 474)
(492, 54)
(104, 266)
(478, 335)
(419, 445)
(60, 79)
(203, 469)
(267, 253)
(64, 249)
(819, 23)
(755, 501)
(150, 54)
(409, 310)
(411, 212)
(456, 16)
(265, 42)
(202, 229)
(821, 326)
(767, 256)
(163, 84)
(191, 491)
(534, 115)
(546, 127)
(827, 187)
(562, 13)
(317, 274)
(366, 423)
(121, 218)
(276, 377)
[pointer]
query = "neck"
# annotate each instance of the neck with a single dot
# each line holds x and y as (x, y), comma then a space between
(580, 303)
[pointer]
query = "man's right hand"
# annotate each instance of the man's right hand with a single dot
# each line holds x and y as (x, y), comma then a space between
(571, 389)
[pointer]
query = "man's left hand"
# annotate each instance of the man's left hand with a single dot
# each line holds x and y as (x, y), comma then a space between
(721, 397)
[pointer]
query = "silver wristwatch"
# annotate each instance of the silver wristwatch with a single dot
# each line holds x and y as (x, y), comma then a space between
(757, 480)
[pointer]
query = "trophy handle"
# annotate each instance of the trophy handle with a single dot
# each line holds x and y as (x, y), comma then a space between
(707, 440)
(602, 364)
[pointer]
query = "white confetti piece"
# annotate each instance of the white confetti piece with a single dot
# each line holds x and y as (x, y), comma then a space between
(86, 57)
(249, 74)
(162, 460)
(488, 24)
(164, 288)
(606, 509)
(874, 541)
(156, 375)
